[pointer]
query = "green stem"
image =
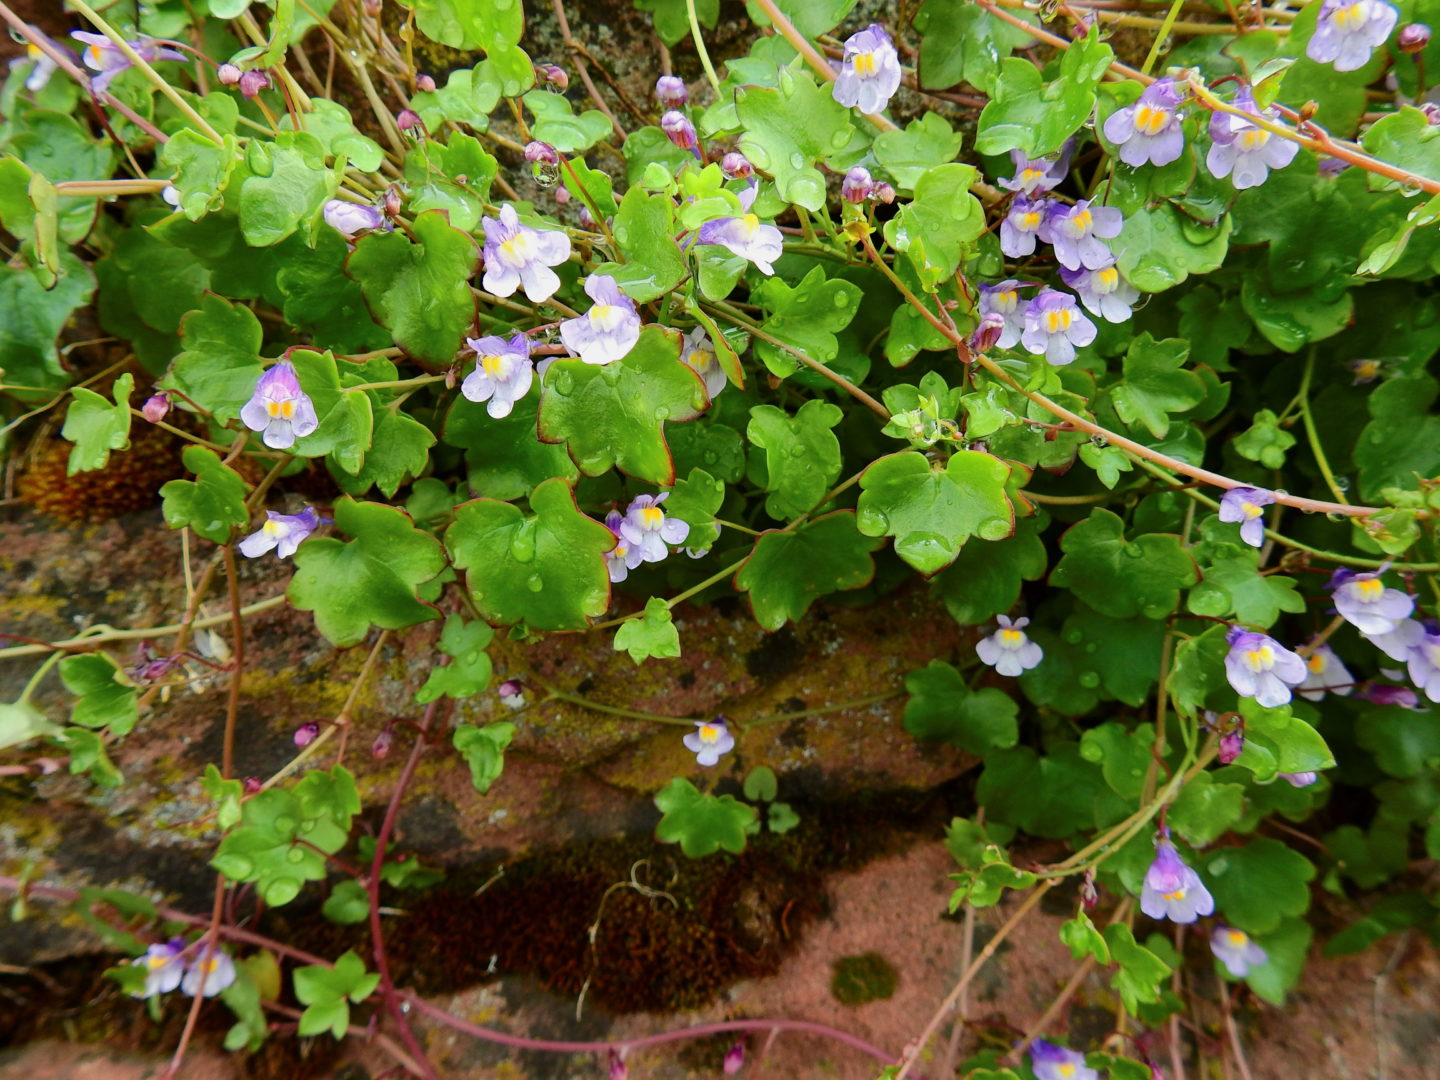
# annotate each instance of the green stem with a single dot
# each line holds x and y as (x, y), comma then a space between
(1313, 435)
(1161, 35)
(821, 710)
(41, 672)
(614, 710)
(700, 46)
(99, 634)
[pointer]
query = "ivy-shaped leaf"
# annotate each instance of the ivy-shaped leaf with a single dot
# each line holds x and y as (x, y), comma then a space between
(213, 504)
(399, 450)
(557, 124)
(468, 673)
(942, 708)
(1256, 886)
(1264, 441)
(1237, 586)
(1155, 384)
(287, 185)
(806, 316)
(346, 418)
(220, 364)
(1140, 972)
(645, 231)
(483, 749)
(802, 455)
(984, 579)
(702, 824)
(788, 571)
(202, 169)
(924, 143)
(96, 426)
(105, 701)
(1120, 577)
(696, 500)
(653, 634)
(327, 992)
(936, 228)
(1026, 113)
(789, 128)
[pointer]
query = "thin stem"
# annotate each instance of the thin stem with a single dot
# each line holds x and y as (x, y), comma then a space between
(699, 40)
(101, 634)
(821, 710)
(1161, 35)
(1312, 434)
(614, 710)
(583, 71)
(1116, 68)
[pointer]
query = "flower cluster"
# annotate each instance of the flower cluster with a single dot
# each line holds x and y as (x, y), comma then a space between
(643, 534)
(1348, 31)
(167, 966)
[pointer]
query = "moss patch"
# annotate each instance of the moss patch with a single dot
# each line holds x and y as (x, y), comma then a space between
(867, 977)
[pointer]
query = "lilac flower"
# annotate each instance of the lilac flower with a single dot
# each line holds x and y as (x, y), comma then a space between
(1299, 779)
(1413, 38)
(541, 153)
(1365, 371)
(305, 734)
(503, 373)
(857, 185)
(1245, 151)
(1398, 643)
(871, 72)
(380, 747)
(623, 557)
(351, 219)
(1172, 890)
(228, 74)
(679, 130)
(1038, 174)
(1260, 667)
(1077, 231)
(1009, 650)
(1051, 1062)
(1348, 31)
(42, 67)
(164, 967)
(648, 530)
(1236, 951)
(1325, 672)
(206, 977)
(1103, 292)
(1424, 662)
(281, 533)
(103, 56)
(734, 1058)
(736, 166)
(1149, 130)
(279, 408)
(517, 255)
(746, 236)
(698, 354)
(1054, 327)
(1003, 299)
(1363, 601)
(709, 740)
(1247, 506)
(1021, 226)
(609, 329)
(511, 693)
(618, 1069)
(671, 91)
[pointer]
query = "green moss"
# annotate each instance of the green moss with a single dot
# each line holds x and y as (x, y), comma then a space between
(857, 980)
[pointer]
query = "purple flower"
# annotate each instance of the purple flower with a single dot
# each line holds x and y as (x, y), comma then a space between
(1247, 506)
(1103, 292)
(1413, 38)
(1172, 890)
(1348, 31)
(698, 355)
(709, 740)
(1325, 673)
(1149, 130)
(871, 72)
(857, 185)
(648, 530)
(679, 129)
(1076, 233)
(155, 407)
(257, 79)
(512, 693)
(164, 967)
(1038, 174)
(42, 67)
(1381, 694)
(103, 56)
(1236, 951)
(609, 329)
(1398, 643)
(281, 533)
(734, 1058)
(736, 166)
(207, 976)
(1231, 744)
(1009, 650)
(1299, 779)
(623, 557)
(541, 153)
(503, 373)
(350, 219)
(1054, 327)
(1022, 225)
(305, 734)
(1260, 667)
(746, 236)
(1245, 151)
(618, 1069)
(1363, 601)
(279, 408)
(1003, 299)
(1051, 1062)
(1424, 662)
(517, 255)
(988, 332)
(228, 74)
(671, 91)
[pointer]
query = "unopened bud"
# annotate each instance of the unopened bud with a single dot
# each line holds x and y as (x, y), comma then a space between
(987, 334)
(883, 192)
(251, 785)
(380, 748)
(1413, 37)
(857, 185)
(228, 74)
(678, 127)
(425, 83)
(512, 693)
(393, 201)
(734, 1058)
(409, 120)
(1231, 743)
(252, 82)
(1431, 111)
(562, 195)
(554, 75)
(737, 166)
(671, 91)
(541, 152)
(587, 219)
(1089, 895)
(305, 734)
(1308, 111)
(155, 407)
(618, 1069)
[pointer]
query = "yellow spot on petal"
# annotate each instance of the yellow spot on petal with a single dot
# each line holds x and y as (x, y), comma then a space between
(494, 366)
(709, 733)
(652, 517)
(1013, 638)
(1030, 221)
(1030, 175)
(864, 63)
(1261, 659)
(1005, 301)
(1178, 894)
(1058, 321)
(155, 963)
(1316, 663)
(1150, 120)
(1370, 589)
(271, 528)
(95, 54)
(1252, 139)
(1236, 938)
(1105, 280)
(1067, 1069)
(1250, 510)
(1082, 221)
(1350, 18)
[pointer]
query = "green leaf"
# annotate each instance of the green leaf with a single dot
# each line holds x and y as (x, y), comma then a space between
(1025, 113)
(909, 154)
(505, 459)
(557, 124)
(788, 129)
(760, 784)
(644, 229)
(1290, 321)
(931, 512)
(1158, 248)
(1264, 441)
(983, 888)
(370, 580)
(225, 794)
(1124, 756)
(330, 122)
(810, 17)
(547, 570)
(963, 43)
(331, 1016)
(220, 364)
(287, 185)
(56, 146)
(696, 500)
(1205, 809)
(1258, 885)
(1081, 938)
(203, 167)
(984, 579)
(1197, 680)
(788, 571)
(326, 991)
(419, 291)
(937, 227)
(1119, 577)
(105, 701)
(453, 176)
(399, 450)
(672, 21)
(807, 316)
(31, 319)
(1140, 972)
(1287, 947)
(1155, 384)
(942, 708)
(1289, 741)
(468, 673)
(1405, 139)
(1404, 744)
(1236, 586)
(483, 749)
(1053, 796)
(802, 455)
(653, 634)
(781, 818)
(346, 418)
(492, 25)
(89, 757)
(468, 97)
(1401, 443)
(702, 824)
(213, 504)
(96, 426)
(614, 415)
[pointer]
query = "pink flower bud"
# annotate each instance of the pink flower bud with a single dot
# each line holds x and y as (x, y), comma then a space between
(1231, 743)
(587, 219)
(991, 327)
(883, 193)
(1089, 895)
(425, 83)
(1413, 37)
(305, 734)
(155, 407)
(252, 82)
(228, 74)
(857, 185)
(393, 201)
(541, 152)
(554, 75)
(251, 786)
(562, 195)
(409, 120)
(671, 91)
(380, 748)
(678, 127)
(618, 1069)
(735, 1058)
(737, 166)
(510, 687)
